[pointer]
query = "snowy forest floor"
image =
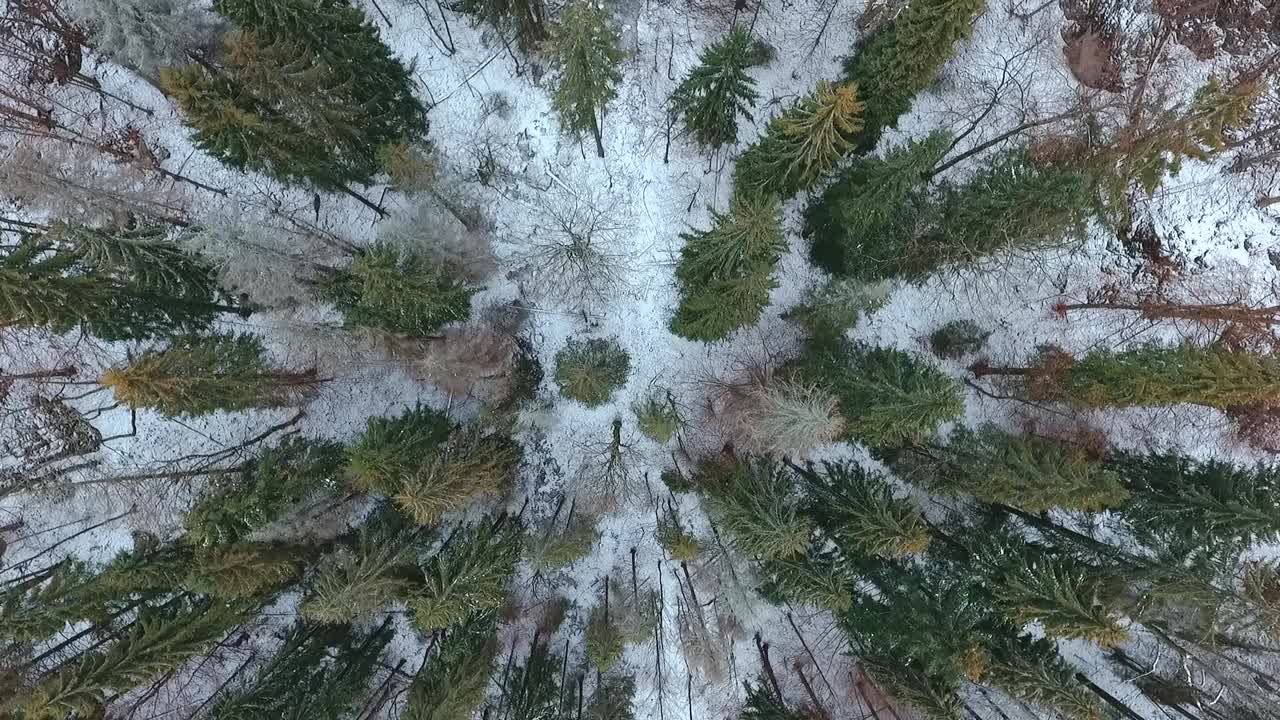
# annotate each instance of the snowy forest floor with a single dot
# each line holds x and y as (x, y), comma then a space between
(503, 152)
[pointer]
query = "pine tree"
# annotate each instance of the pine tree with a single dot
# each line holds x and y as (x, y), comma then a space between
(934, 696)
(725, 273)
(717, 91)
(469, 464)
(246, 570)
(658, 417)
(675, 538)
(887, 396)
(1013, 202)
(318, 673)
(391, 448)
(861, 223)
(603, 637)
(801, 145)
(278, 479)
(1030, 473)
(585, 51)
(785, 417)
(904, 58)
(837, 306)
(818, 579)
(308, 93)
(1151, 375)
(150, 569)
(859, 510)
(403, 291)
(352, 583)
(158, 643)
(525, 17)
(196, 375)
(957, 339)
(469, 575)
(115, 286)
(872, 232)
(41, 605)
(1070, 599)
(1033, 671)
(590, 371)
(144, 35)
(937, 624)
(754, 503)
(555, 550)
(1189, 506)
(453, 681)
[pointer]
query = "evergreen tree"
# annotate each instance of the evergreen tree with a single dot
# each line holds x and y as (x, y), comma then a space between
(876, 232)
(801, 145)
(934, 696)
(158, 643)
(534, 691)
(318, 673)
(675, 538)
(390, 448)
(717, 91)
(658, 417)
(818, 579)
(1030, 473)
(590, 371)
(402, 291)
(859, 510)
(278, 479)
(725, 273)
(904, 58)
(1069, 598)
(1033, 671)
(470, 574)
(1190, 506)
(612, 699)
(585, 51)
(115, 286)
(144, 35)
(307, 92)
(887, 396)
(246, 570)
(934, 622)
(754, 503)
(150, 569)
(351, 583)
(1013, 202)
(453, 681)
(1142, 157)
(527, 18)
(603, 638)
(860, 224)
(195, 375)
(1151, 375)
(958, 338)
(41, 605)
(469, 464)
(836, 307)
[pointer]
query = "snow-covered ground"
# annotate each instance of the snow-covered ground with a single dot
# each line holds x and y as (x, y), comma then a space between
(480, 109)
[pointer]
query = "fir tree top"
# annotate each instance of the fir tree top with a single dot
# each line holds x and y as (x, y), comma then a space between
(718, 90)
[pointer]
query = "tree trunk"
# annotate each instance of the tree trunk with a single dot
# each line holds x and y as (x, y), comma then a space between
(595, 133)
(69, 371)
(1222, 312)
